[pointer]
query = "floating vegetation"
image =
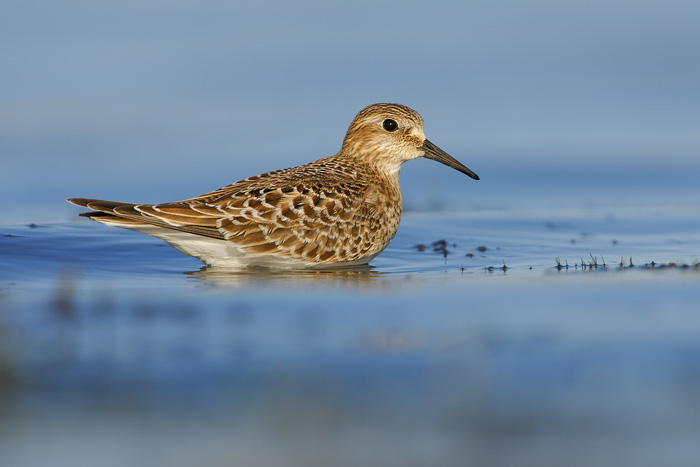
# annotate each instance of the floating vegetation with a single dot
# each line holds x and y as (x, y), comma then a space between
(494, 268)
(595, 264)
(439, 246)
(442, 245)
(592, 264)
(559, 265)
(695, 266)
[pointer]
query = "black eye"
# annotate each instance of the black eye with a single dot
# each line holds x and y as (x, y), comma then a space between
(390, 125)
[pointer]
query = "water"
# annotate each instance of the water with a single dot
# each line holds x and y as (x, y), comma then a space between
(191, 97)
(116, 347)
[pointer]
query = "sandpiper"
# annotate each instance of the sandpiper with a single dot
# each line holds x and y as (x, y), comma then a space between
(341, 210)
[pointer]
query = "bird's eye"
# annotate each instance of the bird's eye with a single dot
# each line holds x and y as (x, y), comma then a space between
(390, 125)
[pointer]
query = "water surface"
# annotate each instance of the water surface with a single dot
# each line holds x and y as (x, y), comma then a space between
(116, 346)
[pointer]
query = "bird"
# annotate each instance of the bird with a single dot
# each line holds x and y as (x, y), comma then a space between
(338, 211)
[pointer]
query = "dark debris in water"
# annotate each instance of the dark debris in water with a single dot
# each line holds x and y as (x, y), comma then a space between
(594, 264)
(443, 246)
(585, 264)
(439, 246)
(503, 268)
(695, 266)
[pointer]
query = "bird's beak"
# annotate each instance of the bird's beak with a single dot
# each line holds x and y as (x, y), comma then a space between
(435, 153)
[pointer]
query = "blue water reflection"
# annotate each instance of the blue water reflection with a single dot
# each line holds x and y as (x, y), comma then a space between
(146, 102)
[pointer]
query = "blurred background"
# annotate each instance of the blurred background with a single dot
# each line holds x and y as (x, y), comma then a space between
(153, 101)
(582, 120)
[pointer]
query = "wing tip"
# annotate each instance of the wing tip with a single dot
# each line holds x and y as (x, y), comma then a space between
(82, 202)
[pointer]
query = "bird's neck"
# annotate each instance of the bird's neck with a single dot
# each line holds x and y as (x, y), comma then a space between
(387, 168)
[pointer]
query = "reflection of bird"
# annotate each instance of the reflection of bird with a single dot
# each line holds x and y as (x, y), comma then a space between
(340, 210)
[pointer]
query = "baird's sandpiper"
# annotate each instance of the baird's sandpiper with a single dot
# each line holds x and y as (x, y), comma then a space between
(341, 210)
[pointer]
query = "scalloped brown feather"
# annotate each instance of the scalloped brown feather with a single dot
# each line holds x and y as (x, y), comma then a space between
(340, 210)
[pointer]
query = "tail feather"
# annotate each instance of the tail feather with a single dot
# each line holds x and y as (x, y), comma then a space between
(128, 216)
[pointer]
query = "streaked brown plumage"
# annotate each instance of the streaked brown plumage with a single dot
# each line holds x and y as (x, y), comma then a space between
(340, 210)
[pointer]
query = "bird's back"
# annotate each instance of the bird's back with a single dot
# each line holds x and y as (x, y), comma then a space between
(327, 212)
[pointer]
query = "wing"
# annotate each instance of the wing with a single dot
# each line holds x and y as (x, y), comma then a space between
(174, 216)
(312, 223)
(306, 213)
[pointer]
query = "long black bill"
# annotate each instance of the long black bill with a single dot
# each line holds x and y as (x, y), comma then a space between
(435, 153)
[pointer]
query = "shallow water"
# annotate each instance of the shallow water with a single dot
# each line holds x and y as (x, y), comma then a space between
(119, 350)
